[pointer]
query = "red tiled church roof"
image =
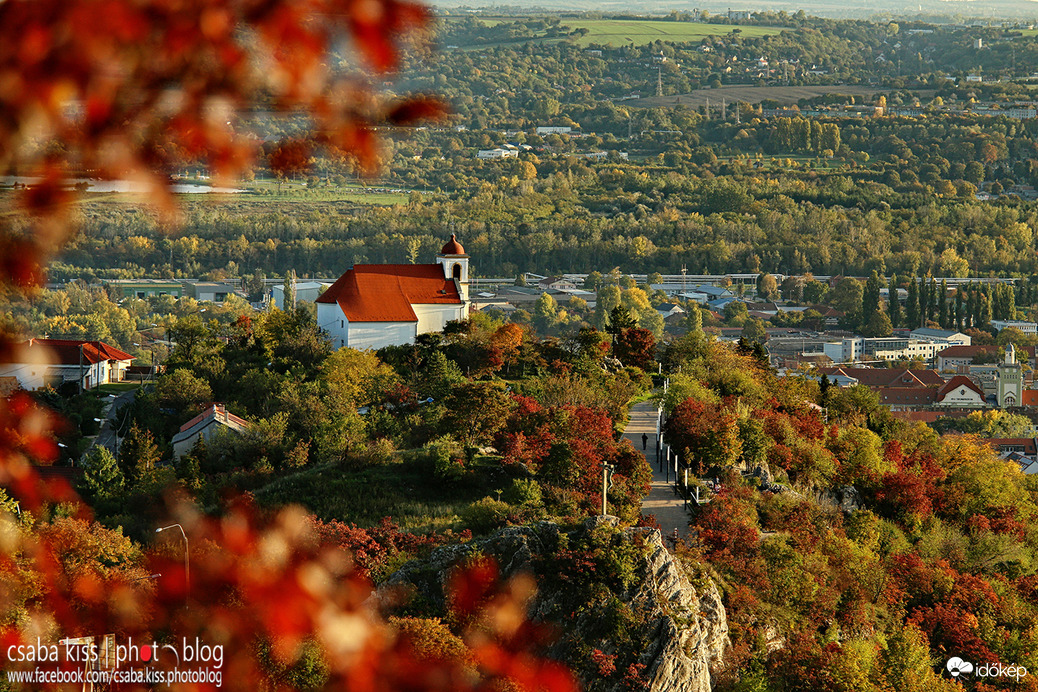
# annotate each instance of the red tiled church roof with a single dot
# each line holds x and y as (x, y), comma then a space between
(66, 351)
(386, 292)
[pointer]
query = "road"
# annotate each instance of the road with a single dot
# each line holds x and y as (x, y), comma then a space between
(107, 436)
(661, 501)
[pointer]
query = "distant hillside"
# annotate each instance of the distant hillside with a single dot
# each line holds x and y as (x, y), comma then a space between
(786, 95)
(930, 9)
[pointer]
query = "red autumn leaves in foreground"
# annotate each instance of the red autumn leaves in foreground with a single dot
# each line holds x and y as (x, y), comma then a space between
(134, 89)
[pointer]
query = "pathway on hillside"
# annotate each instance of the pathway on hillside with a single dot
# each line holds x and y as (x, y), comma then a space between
(661, 500)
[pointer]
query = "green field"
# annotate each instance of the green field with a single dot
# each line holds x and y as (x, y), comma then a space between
(623, 32)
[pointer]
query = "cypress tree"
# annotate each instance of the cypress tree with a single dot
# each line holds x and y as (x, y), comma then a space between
(945, 318)
(959, 310)
(893, 303)
(924, 301)
(931, 310)
(912, 305)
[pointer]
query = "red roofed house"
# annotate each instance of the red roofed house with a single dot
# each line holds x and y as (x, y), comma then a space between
(376, 305)
(38, 363)
(207, 424)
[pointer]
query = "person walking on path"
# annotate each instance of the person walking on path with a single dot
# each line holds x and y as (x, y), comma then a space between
(668, 508)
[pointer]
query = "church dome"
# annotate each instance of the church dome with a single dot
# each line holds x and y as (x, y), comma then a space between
(453, 247)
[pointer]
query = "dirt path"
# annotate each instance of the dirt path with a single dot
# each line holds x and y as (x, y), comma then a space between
(661, 500)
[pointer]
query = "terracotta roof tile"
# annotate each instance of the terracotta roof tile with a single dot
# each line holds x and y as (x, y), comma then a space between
(386, 292)
(66, 351)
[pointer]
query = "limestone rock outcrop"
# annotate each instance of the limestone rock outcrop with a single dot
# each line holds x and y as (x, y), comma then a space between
(680, 628)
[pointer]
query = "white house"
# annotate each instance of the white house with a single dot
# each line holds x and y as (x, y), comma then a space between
(306, 291)
(206, 424)
(38, 363)
(498, 153)
(376, 305)
(668, 309)
(554, 130)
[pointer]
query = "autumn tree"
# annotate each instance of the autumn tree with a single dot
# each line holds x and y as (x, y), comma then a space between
(705, 435)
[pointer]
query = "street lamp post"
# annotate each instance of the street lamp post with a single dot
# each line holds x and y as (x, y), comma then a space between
(187, 563)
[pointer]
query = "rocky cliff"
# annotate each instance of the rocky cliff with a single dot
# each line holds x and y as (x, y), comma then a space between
(615, 595)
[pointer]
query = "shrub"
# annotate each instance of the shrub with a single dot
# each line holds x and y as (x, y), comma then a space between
(524, 492)
(443, 458)
(485, 515)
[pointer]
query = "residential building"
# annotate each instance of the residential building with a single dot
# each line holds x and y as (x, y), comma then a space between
(556, 283)
(212, 292)
(207, 425)
(554, 130)
(497, 153)
(40, 363)
(668, 309)
(143, 288)
(376, 305)
(306, 291)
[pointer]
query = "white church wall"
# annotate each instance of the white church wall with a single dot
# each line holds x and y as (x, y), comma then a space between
(375, 335)
(433, 317)
(331, 320)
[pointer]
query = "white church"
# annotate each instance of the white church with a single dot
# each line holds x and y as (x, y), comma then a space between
(376, 305)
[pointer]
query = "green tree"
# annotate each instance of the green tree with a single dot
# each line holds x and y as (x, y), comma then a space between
(138, 454)
(694, 319)
(183, 392)
(545, 311)
(767, 287)
(912, 313)
(753, 331)
(878, 325)
(102, 478)
(893, 303)
(620, 319)
(847, 296)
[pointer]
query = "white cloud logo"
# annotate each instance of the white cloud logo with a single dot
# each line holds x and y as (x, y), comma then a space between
(956, 666)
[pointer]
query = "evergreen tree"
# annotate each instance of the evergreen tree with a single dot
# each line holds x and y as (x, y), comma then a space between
(959, 310)
(973, 307)
(620, 319)
(694, 319)
(931, 312)
(924, 301)
(912, 304)
(870, 301)
(944, 316)
(984, 314)
(893, 303)
(138, 454)
(102, 478)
